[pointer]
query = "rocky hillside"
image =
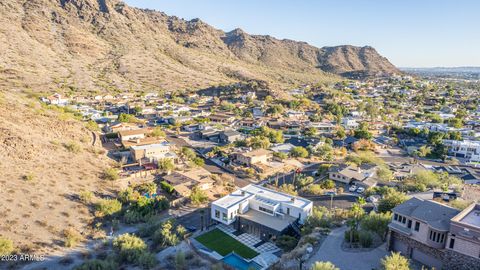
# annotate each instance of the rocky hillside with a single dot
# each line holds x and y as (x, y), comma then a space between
(99, 45)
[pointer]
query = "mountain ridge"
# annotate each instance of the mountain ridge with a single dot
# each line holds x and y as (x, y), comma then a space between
(103, 45)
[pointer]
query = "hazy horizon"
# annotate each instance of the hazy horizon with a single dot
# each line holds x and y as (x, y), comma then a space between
(417, 34)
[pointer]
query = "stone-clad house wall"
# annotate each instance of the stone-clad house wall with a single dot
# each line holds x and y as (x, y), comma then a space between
(456, 261)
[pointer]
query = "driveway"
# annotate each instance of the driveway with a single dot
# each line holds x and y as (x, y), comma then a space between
(331, 250)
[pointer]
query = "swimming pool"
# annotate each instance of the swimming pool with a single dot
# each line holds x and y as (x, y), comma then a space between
(240, 263)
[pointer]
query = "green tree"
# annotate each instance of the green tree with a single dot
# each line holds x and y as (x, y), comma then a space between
(188, 153)
(198, 161)
(395, 262)
(310, 132)
(299, 151)
(158, 132)
(165, 165)
(376, 222)
(391, 199)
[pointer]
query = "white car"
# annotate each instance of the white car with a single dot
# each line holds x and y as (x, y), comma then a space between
(352, 188)
(360, 190)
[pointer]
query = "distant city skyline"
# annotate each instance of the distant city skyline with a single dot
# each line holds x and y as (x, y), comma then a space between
(410, 33)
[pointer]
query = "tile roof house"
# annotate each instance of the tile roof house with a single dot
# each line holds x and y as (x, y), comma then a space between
(183, 182)
(363, 175)
(436, 235)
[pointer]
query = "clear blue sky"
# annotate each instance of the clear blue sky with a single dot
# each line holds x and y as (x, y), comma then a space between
(410, 33)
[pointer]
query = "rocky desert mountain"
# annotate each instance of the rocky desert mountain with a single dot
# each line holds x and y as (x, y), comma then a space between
(105, 45)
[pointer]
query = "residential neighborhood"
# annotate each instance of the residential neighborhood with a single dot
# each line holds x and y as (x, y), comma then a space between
(135, 135)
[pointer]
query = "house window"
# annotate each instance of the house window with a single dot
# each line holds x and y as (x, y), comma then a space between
(217, 214)
(404, 220)
(263, 209)
(288, 211)
(409, 225)
(417, 226)
(395, 217)
(452, 243)
(224, 216)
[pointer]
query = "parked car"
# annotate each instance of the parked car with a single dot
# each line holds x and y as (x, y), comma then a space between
(330, 193)
(360, 190)
(191, 228)
(352, 188)
(373, 198)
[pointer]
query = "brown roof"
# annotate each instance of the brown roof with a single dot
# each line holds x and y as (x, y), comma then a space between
(257, 152)
(144, 141)
(133, 132)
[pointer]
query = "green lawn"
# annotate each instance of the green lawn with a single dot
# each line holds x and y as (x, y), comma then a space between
(224, 244)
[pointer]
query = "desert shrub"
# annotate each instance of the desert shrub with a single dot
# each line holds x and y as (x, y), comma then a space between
(29, 177)
(72, 237)
(376, 222)
(109, 207)
(148, 188)
(167, 234)
(143, 209)
(72, 147)
(320, 217)
(365, 238)
(157, 132)
(92, 126)
(86, 196)
(6, 246)
(198, 196)
(146, 260)
(460, 204)
(354, 237)
(327, 184)
(286, 242)
(128, 195)
(110, 174)
(314, 189)
(180, 261)
(324, 266)
(97, 264)
(132, 249)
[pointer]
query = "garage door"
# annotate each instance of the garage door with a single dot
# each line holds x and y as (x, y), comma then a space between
(426, 259)
(400, 246)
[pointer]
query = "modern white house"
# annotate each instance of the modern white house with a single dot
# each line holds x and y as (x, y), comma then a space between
(261, 211)
(349, 123)
(469, 150)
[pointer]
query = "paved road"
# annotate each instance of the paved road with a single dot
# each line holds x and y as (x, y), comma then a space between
(331, 250)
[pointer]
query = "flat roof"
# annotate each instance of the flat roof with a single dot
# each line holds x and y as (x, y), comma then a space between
(276, 223)
(261, 193)
(469, 216)
(277, 196)
(150, 146)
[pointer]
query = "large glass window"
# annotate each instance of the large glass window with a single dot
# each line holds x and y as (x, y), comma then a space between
(263, 209)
